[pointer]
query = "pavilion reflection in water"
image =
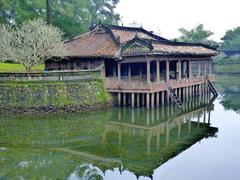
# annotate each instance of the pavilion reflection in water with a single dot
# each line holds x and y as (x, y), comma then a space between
(137, 140)
(140, 141)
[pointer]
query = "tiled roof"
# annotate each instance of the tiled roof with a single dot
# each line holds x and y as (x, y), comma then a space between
(181, 49)
(116, 41)
(140, 46)
(125, 34)
(92, 45)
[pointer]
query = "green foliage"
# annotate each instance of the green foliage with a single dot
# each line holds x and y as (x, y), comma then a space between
(231, 39)
(197, 35)
(72, 16)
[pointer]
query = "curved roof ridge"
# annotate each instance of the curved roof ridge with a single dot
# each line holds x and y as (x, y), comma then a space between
(141, 29)
(176, 43)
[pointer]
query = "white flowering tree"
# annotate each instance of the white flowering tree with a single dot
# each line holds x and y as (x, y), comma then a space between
(31, 43)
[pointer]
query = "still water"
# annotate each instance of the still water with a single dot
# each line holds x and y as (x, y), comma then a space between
(201, 141)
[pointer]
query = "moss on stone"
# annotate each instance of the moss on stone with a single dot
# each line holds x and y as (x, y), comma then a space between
(38, 93)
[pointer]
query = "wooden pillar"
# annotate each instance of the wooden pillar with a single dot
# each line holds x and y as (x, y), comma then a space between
(129, 72)
(157, 99)
(143, 99)
(158, 71)
(210, 67)
(167, 94)
(152, 100)
(180, 93)
(119, 71)
(167, 71)
(132, 100)
(183, 93)
(205, 68)
(147, 100)
(187, 92)
(200, 89)
(129, 99)
(162, 97)
(193, 91)
(124, 99)
(179, 70)
(199, 68)
(148, 72)
(190, 91)
(119, 99)
(138, 99)
(140, 74)
(190, 68)
(114, 72)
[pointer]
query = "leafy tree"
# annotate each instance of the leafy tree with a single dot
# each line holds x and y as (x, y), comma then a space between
(103, 10)
(30, 43)
(231, 39)
(72, 16)
(197, 35)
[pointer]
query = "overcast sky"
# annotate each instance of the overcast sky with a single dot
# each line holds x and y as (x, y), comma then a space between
(169, 15)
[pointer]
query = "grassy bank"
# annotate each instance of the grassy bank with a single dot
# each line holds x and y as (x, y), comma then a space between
(11, 67)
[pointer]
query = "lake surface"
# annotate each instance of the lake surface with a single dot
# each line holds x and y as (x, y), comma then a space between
(202, 141)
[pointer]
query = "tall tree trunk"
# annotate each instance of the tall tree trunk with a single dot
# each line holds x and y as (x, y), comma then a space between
(48, 10)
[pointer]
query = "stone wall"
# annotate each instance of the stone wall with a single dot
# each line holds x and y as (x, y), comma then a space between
(50, 97)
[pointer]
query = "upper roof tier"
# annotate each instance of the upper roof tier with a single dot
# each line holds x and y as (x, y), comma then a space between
(117, 41)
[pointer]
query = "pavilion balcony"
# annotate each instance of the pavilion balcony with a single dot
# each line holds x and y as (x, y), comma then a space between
(135, 84)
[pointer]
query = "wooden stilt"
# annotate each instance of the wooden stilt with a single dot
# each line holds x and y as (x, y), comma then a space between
(138, 99)
(162, 94)
(133, 100)
(143, 99)
(147, 100)
(124, 99)
(119, 99)
(157, 99)
(152, 100)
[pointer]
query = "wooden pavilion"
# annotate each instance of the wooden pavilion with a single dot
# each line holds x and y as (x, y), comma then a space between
(141, 68)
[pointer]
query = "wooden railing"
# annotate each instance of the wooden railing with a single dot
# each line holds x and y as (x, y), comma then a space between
(114, 85)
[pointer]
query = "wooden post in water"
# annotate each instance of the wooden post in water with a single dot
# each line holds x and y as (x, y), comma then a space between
(147, 100)
(143, 99)
(132, 100)
(162, 95)
(157, 99)
(119, 99)
(152, 100)
(124, 99)
(138, 99)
